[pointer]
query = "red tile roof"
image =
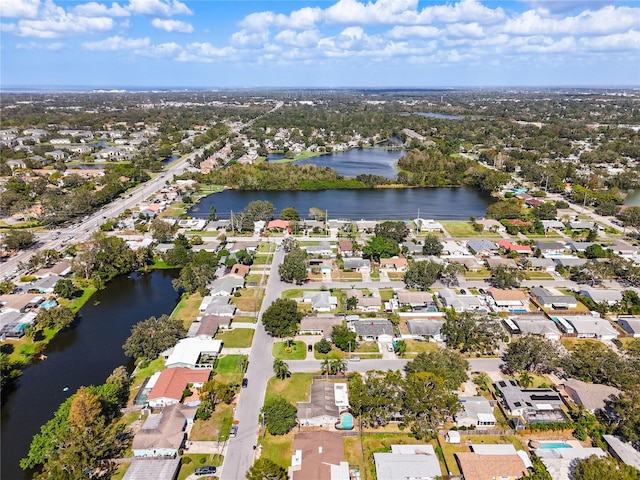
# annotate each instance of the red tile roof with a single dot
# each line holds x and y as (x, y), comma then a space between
(173, 381)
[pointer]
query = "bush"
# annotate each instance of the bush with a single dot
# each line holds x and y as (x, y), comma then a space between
(323, 346)
(185, 460)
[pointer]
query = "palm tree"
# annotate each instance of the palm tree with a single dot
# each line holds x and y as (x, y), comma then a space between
(281, 369)
(325, 366)
(337, 366)
(525, 379)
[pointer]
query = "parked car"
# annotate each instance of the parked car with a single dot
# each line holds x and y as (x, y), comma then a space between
(354, 359)
(245, 382)
(310, 348)
(390, 347)
(206, 470)
(234, 431)
(463, 291)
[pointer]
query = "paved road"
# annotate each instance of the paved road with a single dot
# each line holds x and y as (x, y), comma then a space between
(475, 365)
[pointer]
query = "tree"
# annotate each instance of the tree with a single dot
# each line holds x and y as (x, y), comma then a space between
(7, 287)
(343, 338)
(595, 251)
(445, 363)
(630, 216)
(449, 274)
(380, 247)
(467, 332)
(505, 277)
(152, 336)
(259, 210)
(66, 288)
(377, 397)
(290, 214)
(427, 402)
(525, 379)
(294, 266)
(17, 239)
(546, 211)
(351, 302)
(531, 353)
(337, 365)
(282, 318)
(161, 231)
(57, 317)
(432, 245)
(597, 468)
(317, 214)
(400, 347)
(594, 362)
(422, 275)
(289, 243)
(279, 415)
(281, 369)
(264, 468)
(323, 347)
(395, 231)
(213, 216)
(628, 413)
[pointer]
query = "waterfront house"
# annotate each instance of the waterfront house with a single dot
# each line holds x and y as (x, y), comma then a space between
(164, 433)
(195, 353)
(225, 286)
(171, 383)
(208, 325)
(279, 224)
(427, 225)
(407, 461)
(156, 469)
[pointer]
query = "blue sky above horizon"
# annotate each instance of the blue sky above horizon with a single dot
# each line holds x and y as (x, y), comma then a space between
(326, 43)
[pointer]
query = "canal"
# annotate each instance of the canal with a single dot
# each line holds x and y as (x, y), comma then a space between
(83, 355)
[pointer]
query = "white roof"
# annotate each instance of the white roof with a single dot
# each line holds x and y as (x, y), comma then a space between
(493, 449)
(188, 350)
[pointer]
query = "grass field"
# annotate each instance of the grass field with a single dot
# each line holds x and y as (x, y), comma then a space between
(296, 388)
(187, 308)
(278, 448)
(249, 300)
(463, 229)
(198, 460)
(571, 343)
(479, 275)
(228, 368)
(538, 276)
(142, 373)
(236, 338)
(297, 351)
(244, 319)
(217, 427)
(419, 347)
(262, 259)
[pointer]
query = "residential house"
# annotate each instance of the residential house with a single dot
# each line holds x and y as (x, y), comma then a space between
(172, 382)
(418, 301)
(345, 248)
(319, 324)
(61, 269)
(581, 225)
(535, 325)
(560, 462)
(323, 249)
(321, 301)
(217, 225)
(426, 329)
(412, 248)
(591, 396)
(630, 324)
(579, 246)
(318, 455)
(239, 270)
(602, 295)
(460, 303)
(321, 409)
(535, 405)
(407, 461)
(451, 248)
(164, 433)
(481, 246)
(477, 412)
(622, 450)
(624, 249)
(495, 262)
(156, 469)
(553, 300)
(225, 286)
(251, 246)
(491, 467)
(398, 264)
(194, 353)
(356, 263)
(374, 330)
(367, 303)
(544, 264)
(208, 325)
(279, 225)
(491, 225)
(43, 285)
(552, 224)
(569, 262)
(548, 247)
(427, 225)
(586, 326)
(469, 263)
(508, 246)
(508, 300)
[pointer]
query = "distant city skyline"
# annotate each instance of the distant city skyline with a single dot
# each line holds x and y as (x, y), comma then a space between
(319, 44)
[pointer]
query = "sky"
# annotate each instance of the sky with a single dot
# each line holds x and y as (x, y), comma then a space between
(323, 44)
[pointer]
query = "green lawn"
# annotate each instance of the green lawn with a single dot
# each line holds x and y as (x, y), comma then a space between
(296, 388)
(187, 308)
(249, 300)
(236, 338)
(141, 373)
(479, 275)
(571, 343)
(244, 319)
(292, 293)
(254, 278)
(278, 448)
(419, 347)
(386, 294)
(464, 229)
(538, 276)
(367, 347)
(262, 260)
(198, 460)
(297, 351)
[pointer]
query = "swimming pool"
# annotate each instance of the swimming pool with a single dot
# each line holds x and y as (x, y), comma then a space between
(346, 422)
(555, 445)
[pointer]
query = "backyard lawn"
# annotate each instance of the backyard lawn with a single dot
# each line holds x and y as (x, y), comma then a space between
(463, 229)
(249, 300)
(538, 276)
(296, 388)
(571, 343)
(229, 368)
(187, 308)
(236, 338)
(141, 373)
(218, 426)
(278, 448)
(198, 460)
(416, 346)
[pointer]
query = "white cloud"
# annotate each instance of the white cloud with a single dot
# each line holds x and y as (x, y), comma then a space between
(40, 46)
(465, 30)
(421, 31)
(463, 11)
(629, 41)
(94, 9)
(245, 38)
(608, 19)
(117, 43)
(379, 12)
(203, 52)
(19, 8)
(172, 25)
(307, 38)
(63, 25)
(158, 7)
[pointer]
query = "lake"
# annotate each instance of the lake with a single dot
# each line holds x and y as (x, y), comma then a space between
(351, 163)
(633, 199)
(83, 355)
(371, 204)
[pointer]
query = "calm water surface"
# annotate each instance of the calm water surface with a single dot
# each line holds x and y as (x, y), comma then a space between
(83, 355)
(371, 204)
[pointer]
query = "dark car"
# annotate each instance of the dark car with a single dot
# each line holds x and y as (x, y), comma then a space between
(482, 291)
(206, 470)
(309, 348)
(463, 291)
(245, 382)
